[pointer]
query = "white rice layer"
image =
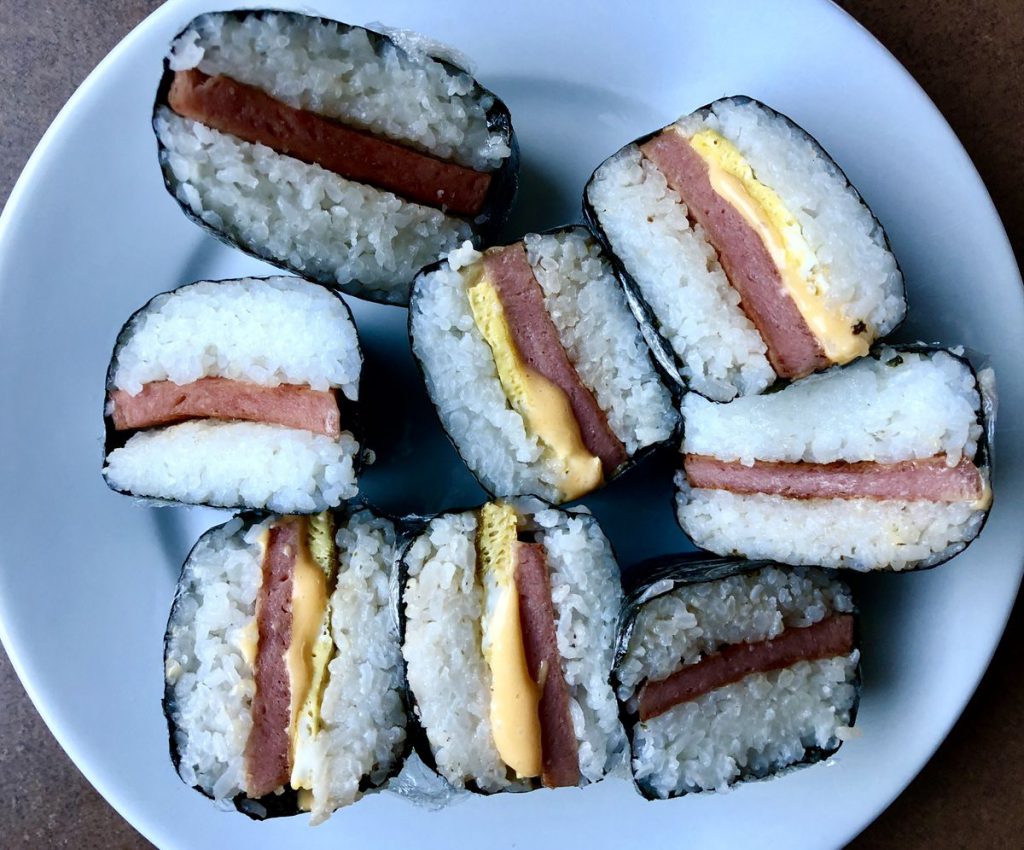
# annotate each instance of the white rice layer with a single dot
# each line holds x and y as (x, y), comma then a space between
(902, 406)
(448, 676)
(861, 280)
(280, 330)
(753, 727)
(587, 593)
(325, 68)
(678, 274)
(236, 464)
(862, 534)
(291, 212)
(211, 685)
(682, 626)
(600, 336)
(598, 333)
(362, 716)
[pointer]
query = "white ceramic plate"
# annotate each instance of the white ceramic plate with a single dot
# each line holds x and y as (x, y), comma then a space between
(86, 577)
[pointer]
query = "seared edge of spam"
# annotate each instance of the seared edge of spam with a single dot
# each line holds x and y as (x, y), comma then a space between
(349, 408)
(500, 195)
(535, 473)
(657, 577)
(984, 383)
(668, 360)
(287, 802)
(416, 528)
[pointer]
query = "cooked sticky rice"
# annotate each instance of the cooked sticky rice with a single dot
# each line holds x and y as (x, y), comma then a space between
(266, 331)
(302, 216)
(229, 464)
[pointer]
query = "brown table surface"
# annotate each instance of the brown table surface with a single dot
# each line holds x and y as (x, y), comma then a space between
(969, 56)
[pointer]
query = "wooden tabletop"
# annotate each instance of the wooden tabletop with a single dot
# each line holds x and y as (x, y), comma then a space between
(969, 56)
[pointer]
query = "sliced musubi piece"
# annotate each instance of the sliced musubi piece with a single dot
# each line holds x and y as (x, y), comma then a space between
(237, 394)
(879, 465)
(285, 689)
(537, 368)
(745, 249)
(345, 155)
(509, 617)
(734, 670)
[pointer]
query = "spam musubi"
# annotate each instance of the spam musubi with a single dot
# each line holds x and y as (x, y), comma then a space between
(734, 670)
(746, 248)
(536, 366)
(879, 465)
(284, 683)
(236, 393)
(347, 156)
(509, 618)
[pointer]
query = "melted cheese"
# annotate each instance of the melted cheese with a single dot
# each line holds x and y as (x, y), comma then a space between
(545, 409)
(247, 640)
(515, 721)
(984, 501)
(733, 179)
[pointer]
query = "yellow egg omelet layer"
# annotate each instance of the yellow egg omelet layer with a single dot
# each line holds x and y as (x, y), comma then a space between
(311, 646)
(545, 409)
(733, 179)
(515, 722)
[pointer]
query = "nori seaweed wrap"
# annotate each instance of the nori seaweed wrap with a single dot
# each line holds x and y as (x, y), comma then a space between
(347, 156)
(746, 254)
(285, 688)
(237, 394)
(880, 465)
(731, 670)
